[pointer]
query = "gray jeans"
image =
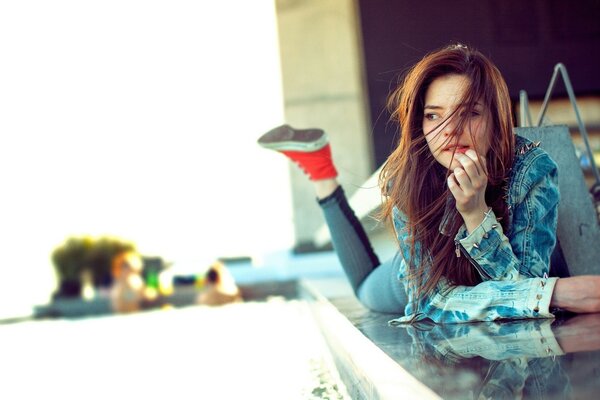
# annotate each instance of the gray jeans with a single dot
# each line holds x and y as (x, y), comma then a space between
(375, 284)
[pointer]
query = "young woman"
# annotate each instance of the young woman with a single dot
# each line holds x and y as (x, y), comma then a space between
(474, 206)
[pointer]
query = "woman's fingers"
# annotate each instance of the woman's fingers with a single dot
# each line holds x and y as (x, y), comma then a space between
(469, 165)
(462, 178)
(472, 165)
(478, 160)
(454, 187)
(468, 182)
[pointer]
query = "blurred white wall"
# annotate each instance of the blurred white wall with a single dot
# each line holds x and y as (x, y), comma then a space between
(138, 119)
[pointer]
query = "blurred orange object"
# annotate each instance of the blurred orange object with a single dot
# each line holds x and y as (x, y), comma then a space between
(127, 292)
(219, 287)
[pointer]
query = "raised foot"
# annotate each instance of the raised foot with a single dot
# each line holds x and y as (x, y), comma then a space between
(286, 138)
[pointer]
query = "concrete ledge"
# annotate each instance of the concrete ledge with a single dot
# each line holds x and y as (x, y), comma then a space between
(365, 369)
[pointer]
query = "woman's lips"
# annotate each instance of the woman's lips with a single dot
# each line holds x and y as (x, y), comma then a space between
(457, 149)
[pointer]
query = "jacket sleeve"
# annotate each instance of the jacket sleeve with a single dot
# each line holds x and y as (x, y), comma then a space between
(526, 251)
(503, 262)
(487, 301)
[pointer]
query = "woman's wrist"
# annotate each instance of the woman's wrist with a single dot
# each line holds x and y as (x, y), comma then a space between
(580, 294)
(474, 218)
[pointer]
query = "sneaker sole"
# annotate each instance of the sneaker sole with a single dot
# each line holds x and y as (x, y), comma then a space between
(286, 138)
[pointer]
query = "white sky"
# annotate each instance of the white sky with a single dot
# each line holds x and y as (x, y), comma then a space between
(137, 119)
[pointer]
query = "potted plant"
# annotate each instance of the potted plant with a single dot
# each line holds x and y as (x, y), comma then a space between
(79, 255)
(69, 261)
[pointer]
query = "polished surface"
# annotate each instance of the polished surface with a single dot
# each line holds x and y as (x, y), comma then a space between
(530, 359)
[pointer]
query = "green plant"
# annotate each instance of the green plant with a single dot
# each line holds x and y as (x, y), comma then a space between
(77, 254)
(70, 258)
(101, 255)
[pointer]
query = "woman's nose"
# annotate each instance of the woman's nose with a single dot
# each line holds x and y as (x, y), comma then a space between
(450, 127)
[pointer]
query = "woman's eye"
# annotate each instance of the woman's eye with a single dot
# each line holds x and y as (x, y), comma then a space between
(470, 114)
(431, 116)
(473, 113)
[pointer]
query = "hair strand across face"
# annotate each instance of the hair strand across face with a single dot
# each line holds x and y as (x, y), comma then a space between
(415, 183)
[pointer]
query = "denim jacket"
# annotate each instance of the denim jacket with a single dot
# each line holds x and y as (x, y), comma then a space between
(513, 265)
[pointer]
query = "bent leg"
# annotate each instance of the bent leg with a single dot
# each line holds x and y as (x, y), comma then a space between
(375, 285)
(381, 291)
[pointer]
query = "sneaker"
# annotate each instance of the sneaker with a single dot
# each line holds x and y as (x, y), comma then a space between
(309, 148)
(285, 137)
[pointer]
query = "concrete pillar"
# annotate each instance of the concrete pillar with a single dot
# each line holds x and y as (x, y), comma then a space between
(321, 59)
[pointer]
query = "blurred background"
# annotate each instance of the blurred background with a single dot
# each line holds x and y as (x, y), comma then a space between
(135, 121)
(129, 170)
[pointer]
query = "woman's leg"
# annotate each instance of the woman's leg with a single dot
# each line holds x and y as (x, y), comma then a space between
(376, 285)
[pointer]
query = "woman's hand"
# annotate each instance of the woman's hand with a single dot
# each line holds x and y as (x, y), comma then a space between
(467, 184)
(580, 294)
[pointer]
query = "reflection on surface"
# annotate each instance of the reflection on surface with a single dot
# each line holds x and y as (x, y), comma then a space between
(526, 357)
(530, 359)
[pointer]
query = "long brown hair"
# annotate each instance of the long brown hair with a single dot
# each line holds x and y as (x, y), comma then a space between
(415, 183)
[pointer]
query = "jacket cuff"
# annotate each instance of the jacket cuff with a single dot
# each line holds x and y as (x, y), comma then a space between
(545, 343)
(540, 294)
(485, 236)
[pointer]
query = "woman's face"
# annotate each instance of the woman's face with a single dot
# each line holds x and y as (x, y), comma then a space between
(440, 115)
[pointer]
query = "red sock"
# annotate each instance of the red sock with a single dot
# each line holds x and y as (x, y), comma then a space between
(317, 165)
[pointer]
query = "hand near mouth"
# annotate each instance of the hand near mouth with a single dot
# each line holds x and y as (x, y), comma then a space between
(467, 183)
